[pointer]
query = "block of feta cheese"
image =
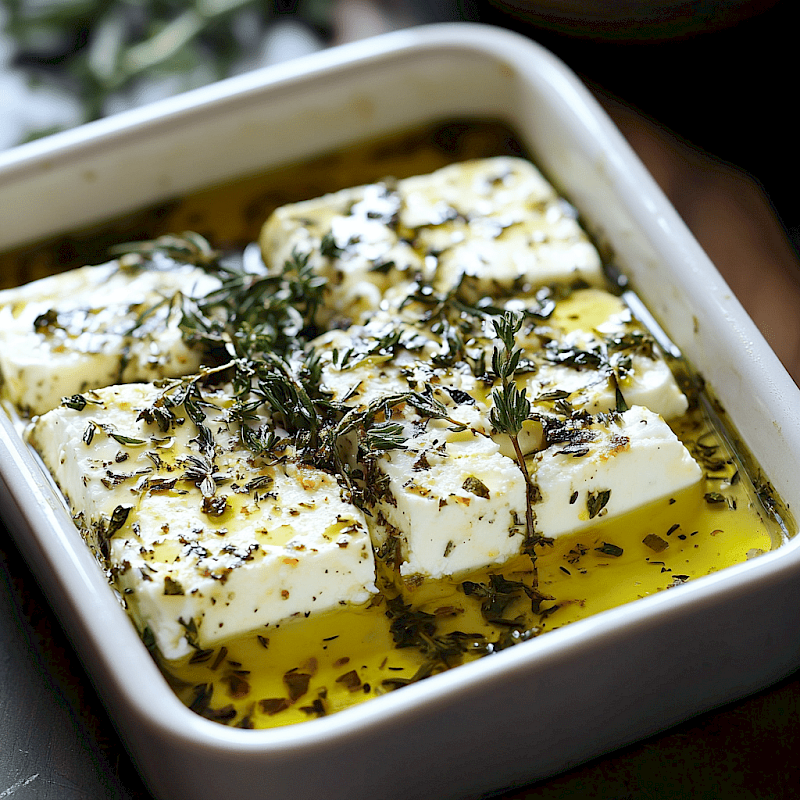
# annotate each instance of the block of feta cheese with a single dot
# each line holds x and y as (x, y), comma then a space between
(350, 237)
(601, 470)
(495, 222)
(204, 540)
(386, 356)
(500, 224)
(449, 502)
(587, 371)
(645, 381)
(589, 347)
(92, 327)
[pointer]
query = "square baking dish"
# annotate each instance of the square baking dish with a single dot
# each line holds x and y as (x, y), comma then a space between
(544, 705)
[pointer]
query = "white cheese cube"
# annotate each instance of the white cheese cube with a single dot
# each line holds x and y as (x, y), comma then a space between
(605, 469)
(350, 238)
(590, 346)
(386, 356)
(498, 222)
(207, 545)
(495, 221)
(645, 382)
(92, 327)
(449, 503)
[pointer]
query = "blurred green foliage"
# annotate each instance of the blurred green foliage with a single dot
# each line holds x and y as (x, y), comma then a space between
(99, 49)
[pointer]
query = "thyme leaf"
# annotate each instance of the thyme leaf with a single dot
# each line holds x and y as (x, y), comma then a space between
(608, 549)
(385, 436)
(597, 501)
(78, 402)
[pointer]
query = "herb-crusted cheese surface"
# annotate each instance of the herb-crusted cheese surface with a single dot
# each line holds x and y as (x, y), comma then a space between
(590, 346)
(450, 502)
(495, 223)
(423, 431)
(603, 468)
(92, 327)
(204, 540)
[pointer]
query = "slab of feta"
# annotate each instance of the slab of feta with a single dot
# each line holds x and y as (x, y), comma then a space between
(498, 223)
(590, 347)
(203, 545)
(92, 327)
(350, 237)
(386, 356)
(449, 502)
(604, 469)
(495, 222)
(643, 380)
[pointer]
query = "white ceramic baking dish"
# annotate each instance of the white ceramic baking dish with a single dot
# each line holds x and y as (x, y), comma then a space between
(537, 708)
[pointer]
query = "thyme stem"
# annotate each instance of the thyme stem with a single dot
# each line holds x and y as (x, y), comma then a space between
(510, 411)
(531, 537)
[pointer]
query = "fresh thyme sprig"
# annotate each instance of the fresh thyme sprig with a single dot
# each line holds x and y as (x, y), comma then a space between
(510, 409)
(188, 248)
(288, 400)
(252, 326)
(252, 312)
(457, 316)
